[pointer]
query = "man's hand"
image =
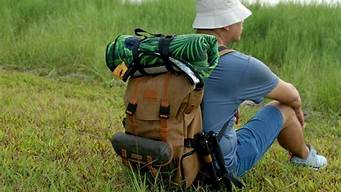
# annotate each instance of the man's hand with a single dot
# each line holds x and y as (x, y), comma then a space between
(237, 115)
(300, 116)
(298, 110)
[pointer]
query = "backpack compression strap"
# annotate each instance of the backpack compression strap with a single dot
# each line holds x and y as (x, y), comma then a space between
(164, 51)
(164, 109)
(132, 105)
(224, 50)
(164, 43)
(136, 59)
(141, 33)
(135, 64)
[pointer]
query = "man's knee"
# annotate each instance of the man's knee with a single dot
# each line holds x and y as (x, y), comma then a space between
(287, 111)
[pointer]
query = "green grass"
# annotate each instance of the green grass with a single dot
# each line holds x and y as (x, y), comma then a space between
(59, 105)
(69, 37)
(54, 136)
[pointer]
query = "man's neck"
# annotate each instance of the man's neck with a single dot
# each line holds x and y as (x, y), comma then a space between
(221, 40)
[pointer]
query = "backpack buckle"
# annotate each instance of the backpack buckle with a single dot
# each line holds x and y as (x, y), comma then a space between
(164, 112)
(131, 108)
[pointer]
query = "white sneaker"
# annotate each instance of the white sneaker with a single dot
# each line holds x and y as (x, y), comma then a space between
(313, 160)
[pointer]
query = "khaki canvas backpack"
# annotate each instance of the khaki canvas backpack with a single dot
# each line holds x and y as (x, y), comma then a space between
(163, 132)
(161, 113)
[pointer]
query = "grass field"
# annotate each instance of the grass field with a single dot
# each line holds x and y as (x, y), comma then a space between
(59, 105)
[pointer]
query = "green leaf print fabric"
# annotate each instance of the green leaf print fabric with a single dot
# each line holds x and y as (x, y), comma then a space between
(198, 51)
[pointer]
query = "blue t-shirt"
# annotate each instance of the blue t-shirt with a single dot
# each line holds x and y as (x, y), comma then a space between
(236, 78)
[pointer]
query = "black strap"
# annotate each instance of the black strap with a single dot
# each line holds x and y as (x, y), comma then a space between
(221, 132)
(220, 159)
(164, 51)
(136, 59)
(221, 48)
(124, 120)
(164, 112)
(163, 48)
(221, 163)
(131, 109)
(224, 50)
(181, 160)
(189, 143)
(139, 32)
(208, 144)
(135, 64)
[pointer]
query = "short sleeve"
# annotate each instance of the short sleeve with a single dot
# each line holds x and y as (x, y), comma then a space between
(257, 81)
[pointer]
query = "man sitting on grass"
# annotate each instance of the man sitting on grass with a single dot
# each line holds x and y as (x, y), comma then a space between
(239, 77)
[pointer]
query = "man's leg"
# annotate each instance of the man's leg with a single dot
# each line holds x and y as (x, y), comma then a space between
(256, 136)
(273, 121)
(291, 136)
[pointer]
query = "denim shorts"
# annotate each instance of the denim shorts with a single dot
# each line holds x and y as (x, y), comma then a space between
(256, 136)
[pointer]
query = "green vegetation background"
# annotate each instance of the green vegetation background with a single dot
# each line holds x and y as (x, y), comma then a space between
(59, 104)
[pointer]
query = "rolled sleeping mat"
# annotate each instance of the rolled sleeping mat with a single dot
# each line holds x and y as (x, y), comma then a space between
(194, 54)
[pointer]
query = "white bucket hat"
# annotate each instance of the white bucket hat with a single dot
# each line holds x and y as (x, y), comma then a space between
(211, 14)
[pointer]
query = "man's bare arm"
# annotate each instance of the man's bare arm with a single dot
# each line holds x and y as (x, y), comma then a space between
(287, 94)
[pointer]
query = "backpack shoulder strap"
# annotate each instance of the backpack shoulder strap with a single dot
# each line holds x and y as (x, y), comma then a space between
(222, 132)
(224, 50)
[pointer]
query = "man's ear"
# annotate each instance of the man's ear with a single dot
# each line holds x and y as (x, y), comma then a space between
(227, 28)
